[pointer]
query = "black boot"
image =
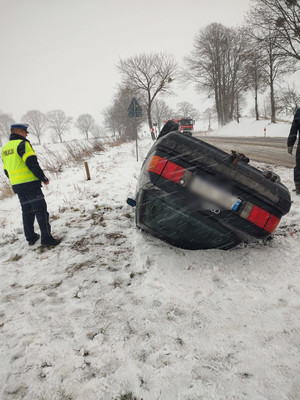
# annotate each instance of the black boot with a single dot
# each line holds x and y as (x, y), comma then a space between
(32, 241)
(297, 185)
(50, 241)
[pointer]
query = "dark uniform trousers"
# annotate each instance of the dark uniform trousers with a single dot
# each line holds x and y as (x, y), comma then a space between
(297, 168)
(34, 205)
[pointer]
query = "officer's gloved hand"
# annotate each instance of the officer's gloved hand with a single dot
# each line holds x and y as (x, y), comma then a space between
(290, 150)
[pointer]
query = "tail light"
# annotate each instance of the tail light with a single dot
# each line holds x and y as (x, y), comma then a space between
(173, 172)
(262, 218)
(156, 164)
(272, 223)
(258, 216)
(165, 168)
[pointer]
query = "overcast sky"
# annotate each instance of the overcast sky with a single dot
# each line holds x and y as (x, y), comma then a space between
(63, 53)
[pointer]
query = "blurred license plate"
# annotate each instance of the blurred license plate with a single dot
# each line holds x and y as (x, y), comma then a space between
(219, 196)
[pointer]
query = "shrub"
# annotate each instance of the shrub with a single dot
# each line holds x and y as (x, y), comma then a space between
(97, 146)
(5, 189)
(117, 141)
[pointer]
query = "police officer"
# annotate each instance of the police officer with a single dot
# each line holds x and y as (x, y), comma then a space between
(295, 129)
(26, 176)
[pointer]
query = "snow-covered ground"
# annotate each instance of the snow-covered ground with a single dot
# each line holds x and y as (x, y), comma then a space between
(251, 127)
(115, 314)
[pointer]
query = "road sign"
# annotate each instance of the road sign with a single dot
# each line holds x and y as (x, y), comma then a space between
(134, 109)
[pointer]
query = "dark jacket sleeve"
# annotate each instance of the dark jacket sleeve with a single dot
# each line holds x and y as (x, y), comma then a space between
(32, 163)
(293, 133)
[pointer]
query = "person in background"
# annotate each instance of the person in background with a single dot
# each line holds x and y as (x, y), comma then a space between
(295, 129)
(169, 126)
(26, 176)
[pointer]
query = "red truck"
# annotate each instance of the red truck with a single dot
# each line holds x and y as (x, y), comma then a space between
(186, 124)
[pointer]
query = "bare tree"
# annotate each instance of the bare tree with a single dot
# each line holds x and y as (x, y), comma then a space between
(38, 123)
(149, 75)
(209, 115)
(186, 109)
(161, 112)
(274, 63)
(59, 122)
(282, 19)
(98, 132)
(216, 66)
(85, 123)
(289, 100)
(6, 120)
(254, 69)
(116, 116)
(110, 122)
(275, 66)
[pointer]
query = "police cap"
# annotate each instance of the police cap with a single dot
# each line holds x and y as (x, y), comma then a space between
(20, 126)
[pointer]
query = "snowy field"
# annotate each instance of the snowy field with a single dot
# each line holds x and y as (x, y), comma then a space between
(115, 314)
(251, 127)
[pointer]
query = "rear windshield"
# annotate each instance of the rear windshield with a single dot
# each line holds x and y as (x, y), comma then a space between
(182, 228)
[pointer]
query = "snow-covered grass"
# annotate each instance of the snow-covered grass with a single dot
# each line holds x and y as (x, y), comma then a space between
(115, 314)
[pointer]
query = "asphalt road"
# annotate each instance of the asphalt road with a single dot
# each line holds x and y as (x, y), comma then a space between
(265, 149)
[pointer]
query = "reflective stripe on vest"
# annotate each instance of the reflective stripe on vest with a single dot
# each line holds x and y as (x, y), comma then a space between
(16, 167)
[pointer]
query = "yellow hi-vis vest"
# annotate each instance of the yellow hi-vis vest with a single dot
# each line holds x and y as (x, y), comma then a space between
(16, 167)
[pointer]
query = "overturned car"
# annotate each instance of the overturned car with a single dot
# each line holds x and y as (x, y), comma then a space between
(196, 196)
